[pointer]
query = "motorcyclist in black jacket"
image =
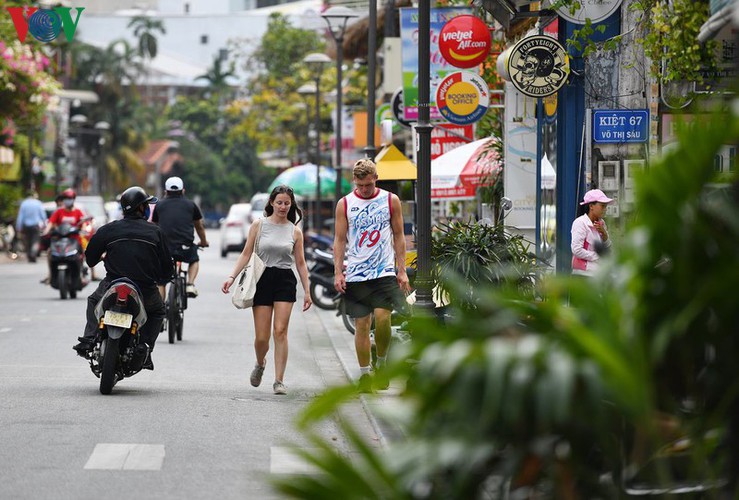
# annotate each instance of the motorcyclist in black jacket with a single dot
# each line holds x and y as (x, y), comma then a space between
(135, 249)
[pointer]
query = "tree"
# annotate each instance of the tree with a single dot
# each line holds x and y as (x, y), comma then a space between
(111, 73)
(270, 115)
(218, 76)
(281, 50)
(219, 130)
(144, 29)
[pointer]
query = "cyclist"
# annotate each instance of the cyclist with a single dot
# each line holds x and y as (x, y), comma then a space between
(179, 217)
(136, 250)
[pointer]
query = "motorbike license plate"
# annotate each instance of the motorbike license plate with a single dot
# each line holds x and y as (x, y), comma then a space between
(121, 320)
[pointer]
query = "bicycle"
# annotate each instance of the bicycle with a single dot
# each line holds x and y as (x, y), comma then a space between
(176, 304)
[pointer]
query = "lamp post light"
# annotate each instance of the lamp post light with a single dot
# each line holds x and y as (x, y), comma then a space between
(337, 19)
(306, 90)
(316, 62)
(102, 128)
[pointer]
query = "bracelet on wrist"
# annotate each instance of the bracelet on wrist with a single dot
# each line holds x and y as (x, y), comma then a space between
(232, 277)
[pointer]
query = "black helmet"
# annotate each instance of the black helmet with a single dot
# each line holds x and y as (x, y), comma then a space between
(134, 197)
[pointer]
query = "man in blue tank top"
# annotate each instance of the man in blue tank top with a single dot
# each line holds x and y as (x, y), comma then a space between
(369, 233)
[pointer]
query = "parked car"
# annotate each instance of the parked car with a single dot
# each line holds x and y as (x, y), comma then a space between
(93, 206)
(258, 202)
(235, 228)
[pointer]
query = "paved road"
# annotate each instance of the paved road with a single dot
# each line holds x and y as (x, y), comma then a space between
(193, 428)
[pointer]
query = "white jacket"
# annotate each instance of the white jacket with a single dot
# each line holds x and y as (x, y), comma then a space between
(584, 237)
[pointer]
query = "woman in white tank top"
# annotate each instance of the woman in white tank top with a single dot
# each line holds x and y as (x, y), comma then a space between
(279, 243)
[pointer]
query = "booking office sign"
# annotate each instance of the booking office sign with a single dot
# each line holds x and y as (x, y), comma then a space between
(44, 24)
(537, 66)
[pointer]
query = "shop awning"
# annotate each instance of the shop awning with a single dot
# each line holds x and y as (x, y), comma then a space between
(392, 165)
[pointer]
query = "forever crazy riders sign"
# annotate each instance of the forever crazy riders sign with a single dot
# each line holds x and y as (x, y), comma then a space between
(538, 66)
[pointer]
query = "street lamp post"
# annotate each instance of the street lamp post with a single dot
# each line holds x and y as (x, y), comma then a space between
(370, 150)
(423, 190)
(316, 61)
(337, 19)
(306, 91)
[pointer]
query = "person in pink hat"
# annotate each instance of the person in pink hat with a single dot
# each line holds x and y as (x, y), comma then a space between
(589, 231)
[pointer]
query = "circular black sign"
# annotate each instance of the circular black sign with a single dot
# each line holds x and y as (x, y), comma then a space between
(397, 106)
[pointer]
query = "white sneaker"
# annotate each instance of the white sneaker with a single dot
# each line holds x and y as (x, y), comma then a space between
(191, 291)
(279, 388)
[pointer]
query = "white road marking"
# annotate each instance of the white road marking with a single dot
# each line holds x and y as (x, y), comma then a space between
(283, 460)
(5, 330)
(112, 456)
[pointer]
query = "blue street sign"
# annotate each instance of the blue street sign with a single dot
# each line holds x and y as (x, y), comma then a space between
(618, 125)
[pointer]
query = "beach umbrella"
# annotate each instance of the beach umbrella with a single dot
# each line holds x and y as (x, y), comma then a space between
(302, 179)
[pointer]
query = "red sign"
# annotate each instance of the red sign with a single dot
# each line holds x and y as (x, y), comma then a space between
(464, 41)
(443, 141)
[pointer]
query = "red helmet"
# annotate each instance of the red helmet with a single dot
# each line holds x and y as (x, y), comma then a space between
(69, 193)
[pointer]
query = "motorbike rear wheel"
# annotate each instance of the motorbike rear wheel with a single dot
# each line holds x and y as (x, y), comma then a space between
(63, 283)
(323, 297)
(110, 360)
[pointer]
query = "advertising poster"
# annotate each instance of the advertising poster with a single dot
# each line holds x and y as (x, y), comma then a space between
(439, 67)
(519, 174)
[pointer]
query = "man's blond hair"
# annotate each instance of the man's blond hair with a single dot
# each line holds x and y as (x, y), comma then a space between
(364, 167)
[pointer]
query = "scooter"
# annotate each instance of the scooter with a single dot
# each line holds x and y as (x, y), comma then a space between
(68, 270)
(322, 291)
(118, 351)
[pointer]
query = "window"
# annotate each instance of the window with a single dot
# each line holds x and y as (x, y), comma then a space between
(203, 39)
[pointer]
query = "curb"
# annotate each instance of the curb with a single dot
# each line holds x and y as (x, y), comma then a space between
(386, 433)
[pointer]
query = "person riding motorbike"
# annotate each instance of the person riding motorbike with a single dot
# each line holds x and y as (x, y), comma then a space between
(179, 218)
(66, 214)
(136, 250)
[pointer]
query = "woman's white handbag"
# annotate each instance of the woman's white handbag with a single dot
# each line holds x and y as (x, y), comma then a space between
(245, 286)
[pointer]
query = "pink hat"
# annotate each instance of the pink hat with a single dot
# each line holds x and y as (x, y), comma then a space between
(595, 195)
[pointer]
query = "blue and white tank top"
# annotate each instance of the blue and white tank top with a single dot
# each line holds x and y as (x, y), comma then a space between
(369, 252)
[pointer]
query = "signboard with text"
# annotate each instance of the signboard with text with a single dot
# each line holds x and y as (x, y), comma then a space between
(618, 125)
(438, 66)
(443, 141)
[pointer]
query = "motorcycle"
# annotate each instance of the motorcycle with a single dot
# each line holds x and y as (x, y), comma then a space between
(322, 291)
(68, 269)
(118, 351)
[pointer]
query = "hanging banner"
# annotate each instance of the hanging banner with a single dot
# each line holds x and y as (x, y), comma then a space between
(438, 67)
(463, 97)
(538, 66)
(465, 41)
(446, 137)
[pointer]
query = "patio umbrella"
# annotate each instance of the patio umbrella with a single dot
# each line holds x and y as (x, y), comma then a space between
(303, 181)
(456, 175)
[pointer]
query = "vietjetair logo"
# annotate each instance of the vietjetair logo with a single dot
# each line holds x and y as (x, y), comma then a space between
(44, 24)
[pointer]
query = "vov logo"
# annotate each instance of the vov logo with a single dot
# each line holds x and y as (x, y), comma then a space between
(44, 24)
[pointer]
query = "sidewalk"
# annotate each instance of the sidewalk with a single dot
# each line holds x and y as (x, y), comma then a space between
(374, 405)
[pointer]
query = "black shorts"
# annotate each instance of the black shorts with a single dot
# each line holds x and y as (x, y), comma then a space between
(182, 254)
(275, 285)
(363, 297)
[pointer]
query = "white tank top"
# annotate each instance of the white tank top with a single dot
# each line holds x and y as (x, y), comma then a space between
(369, 252)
